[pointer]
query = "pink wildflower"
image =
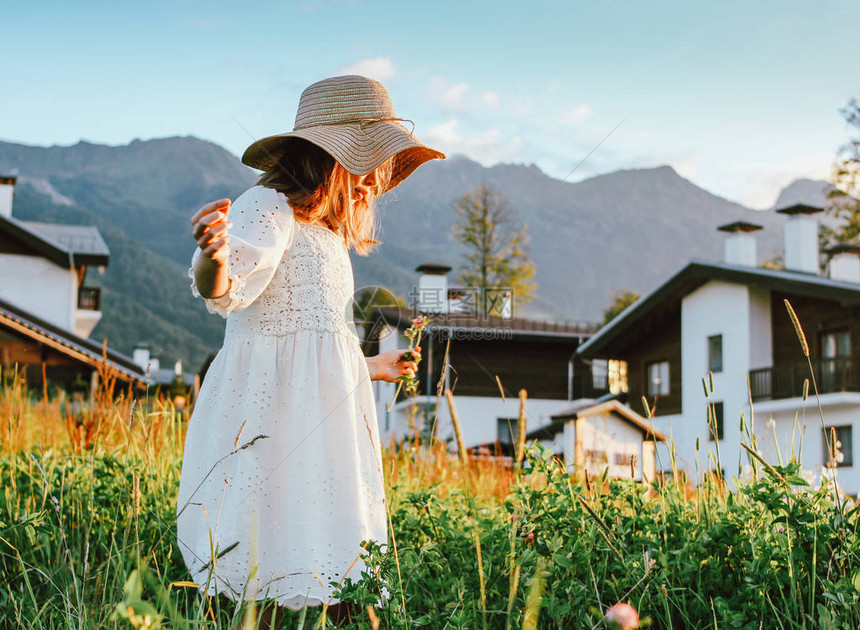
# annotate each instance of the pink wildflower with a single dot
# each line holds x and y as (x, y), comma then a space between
(622, 617)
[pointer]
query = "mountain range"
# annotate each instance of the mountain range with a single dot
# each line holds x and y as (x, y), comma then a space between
(625, 230)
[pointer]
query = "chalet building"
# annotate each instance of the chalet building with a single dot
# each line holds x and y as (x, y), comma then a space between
(47, 311)
(490, 358)
(727, 323)
(598, 436)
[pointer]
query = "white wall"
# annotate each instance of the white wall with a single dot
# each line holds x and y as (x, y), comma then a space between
(40, 287)
(383, 390)
(717, 308)
(85, 322)
(798, 430)
(611, 435)
(7, 193)
(478, 415)
(669, 425)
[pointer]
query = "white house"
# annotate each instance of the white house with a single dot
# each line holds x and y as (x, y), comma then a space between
(46, 311)
(727, 324)
(43, 267)
(489, 360)
(603, 436)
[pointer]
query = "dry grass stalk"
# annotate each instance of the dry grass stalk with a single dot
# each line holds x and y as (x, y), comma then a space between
(461, 447)
(796, 322)
(521, 428)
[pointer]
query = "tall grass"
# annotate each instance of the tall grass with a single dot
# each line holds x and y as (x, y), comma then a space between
(88, 540)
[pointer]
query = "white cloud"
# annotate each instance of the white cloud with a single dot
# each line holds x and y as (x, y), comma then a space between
(554, 86)
(379, 68)
(520, 108)
(490, 99)
(488, 147)
(452, 98)
(577, 114)
(458, 97)
(444, 134)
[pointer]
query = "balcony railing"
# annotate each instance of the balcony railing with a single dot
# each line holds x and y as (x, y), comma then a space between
(89, 298)
(786, 381)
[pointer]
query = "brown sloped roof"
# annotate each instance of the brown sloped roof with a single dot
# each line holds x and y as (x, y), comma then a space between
(84, 350)
(586, 408)
(63, 245)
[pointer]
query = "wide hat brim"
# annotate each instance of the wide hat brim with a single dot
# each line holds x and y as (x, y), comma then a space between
(358, 147)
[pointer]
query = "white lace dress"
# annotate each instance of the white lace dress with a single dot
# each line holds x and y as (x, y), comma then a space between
(282, 472)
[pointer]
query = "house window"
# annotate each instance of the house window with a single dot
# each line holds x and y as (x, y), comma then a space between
(715, 420)
(835, 370)
(595, 457)
(715, 353)
(843, 449)
(507, 430)
(617, 376)
(600, 374)
(835, 344)
(624, 459)
(658, 378)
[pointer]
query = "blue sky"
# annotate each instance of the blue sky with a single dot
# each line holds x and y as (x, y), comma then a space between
(739, 97)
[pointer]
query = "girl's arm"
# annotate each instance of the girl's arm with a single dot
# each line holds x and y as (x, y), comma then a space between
(209, 228)
(389, 366)
(211, 278)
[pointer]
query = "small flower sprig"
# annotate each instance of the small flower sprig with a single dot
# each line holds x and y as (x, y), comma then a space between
(414, 335)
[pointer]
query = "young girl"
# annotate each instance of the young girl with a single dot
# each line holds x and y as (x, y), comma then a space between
(282, 473)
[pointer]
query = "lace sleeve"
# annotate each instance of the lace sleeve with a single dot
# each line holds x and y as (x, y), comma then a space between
(263, 228)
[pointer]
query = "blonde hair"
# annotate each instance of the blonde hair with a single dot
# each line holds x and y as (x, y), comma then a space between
(319, 189)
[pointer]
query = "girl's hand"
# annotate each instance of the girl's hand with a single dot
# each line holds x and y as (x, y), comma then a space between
(390, 366)
(209, 228)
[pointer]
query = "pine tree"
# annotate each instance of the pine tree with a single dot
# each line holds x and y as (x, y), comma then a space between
(497, 257)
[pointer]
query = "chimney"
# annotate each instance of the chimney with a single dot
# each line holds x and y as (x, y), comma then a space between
(845, 262)
(801, 238)
(433, 288)
(740, 244)
(141, 355)
(7, 194)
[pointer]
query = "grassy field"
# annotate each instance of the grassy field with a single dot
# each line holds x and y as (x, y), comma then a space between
(87, 538)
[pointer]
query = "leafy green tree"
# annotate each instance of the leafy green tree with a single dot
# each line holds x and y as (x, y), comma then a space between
(844, 198)
(497, 256)
(621, 299)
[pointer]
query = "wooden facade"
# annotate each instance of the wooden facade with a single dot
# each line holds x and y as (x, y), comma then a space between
(538, 365)
(661, 342)
(523, 354)
(43, 352)
(817, 317)
(37, 362)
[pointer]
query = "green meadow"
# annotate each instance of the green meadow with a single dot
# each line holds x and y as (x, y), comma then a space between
(88, 538)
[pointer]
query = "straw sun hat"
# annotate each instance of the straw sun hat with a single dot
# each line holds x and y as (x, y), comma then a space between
(352, 118)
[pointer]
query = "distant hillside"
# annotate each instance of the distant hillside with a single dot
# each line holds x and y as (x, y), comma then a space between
(623, 230)
(145, 297)
(812, 192)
